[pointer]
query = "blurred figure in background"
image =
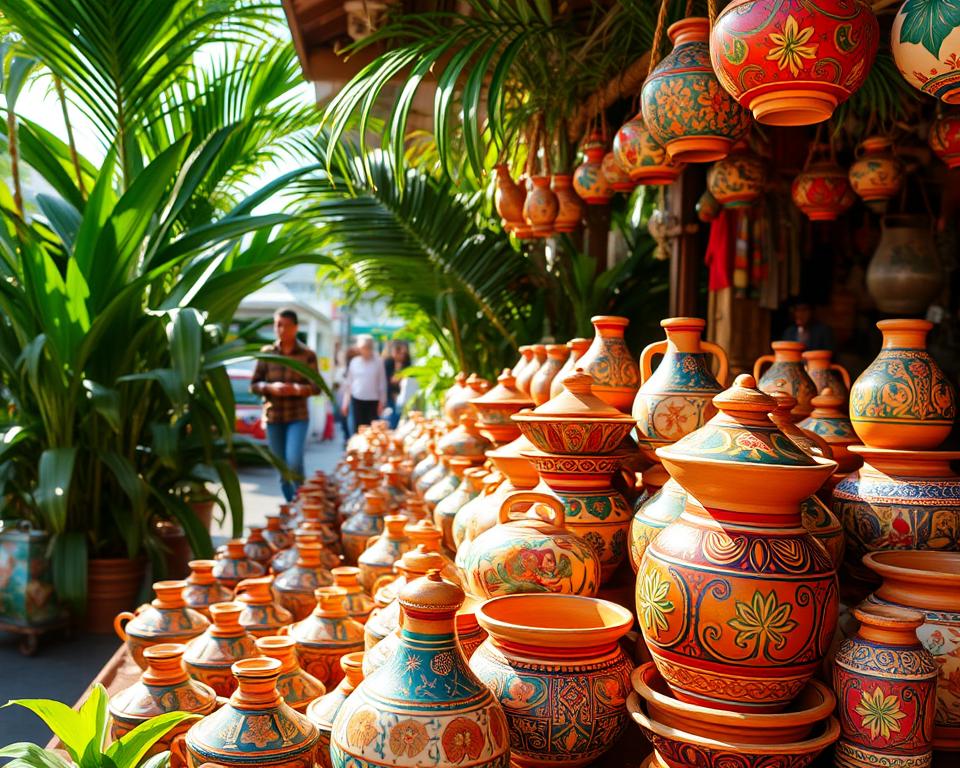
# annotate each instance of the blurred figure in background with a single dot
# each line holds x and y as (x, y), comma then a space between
(398, 360)
(365, 386)
(807, 329)
(340, 393)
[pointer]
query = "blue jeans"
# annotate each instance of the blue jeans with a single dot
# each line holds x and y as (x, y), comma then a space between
(287, 441)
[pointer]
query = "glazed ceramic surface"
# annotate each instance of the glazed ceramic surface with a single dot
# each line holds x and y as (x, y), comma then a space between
(737, 181)
(903, 400)
(577, 347)
(234, 566)
(829, 421)
(208, 658)
(639, 154)
(357, 530)
(297, 687)
(944, 139)
(295, 586)
(822, 191)
(925, 42)
(611, 366)
(654, 514)
(257, 548)
(262, 614)
(378, 558)
(617, 176)
(878, 174)
(905, 275)
(323, 711)
(786, 363)
(825, 373)
(508, 199)
(540, 206)
(326, 635)
(542, 380)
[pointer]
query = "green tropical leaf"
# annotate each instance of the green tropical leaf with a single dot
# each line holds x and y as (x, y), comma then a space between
(129, 749)
(929, 22)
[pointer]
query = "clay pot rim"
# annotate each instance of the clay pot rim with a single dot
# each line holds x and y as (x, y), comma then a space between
(813, 745)
(820, 464)
(524, 416)
(894, 454)
(884, 564)
(621, 620)
(904, 324)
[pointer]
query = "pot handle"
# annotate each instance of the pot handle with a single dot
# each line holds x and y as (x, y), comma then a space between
(383, 581)
(717, 351)
(534, 497)
(758, 366)
(646, 358)
(120, 622)
(844, 374)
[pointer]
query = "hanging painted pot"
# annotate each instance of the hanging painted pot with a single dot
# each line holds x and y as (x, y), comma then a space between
(618, 178)
(822, 191)
(570, 206)
(925, 42)
(684, 106)
(523, 230)
(609, 363)
(509, 199)
(793, 63)
(589, 180)
(877, 175)
(944, 139)
(904, 276)
(540, 206)
(787, 364)
(737, 180)
(707, 207)
(638, 153)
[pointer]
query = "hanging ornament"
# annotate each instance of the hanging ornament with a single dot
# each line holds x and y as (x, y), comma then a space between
(509, 199)
(570, 210)
(523, 231)
(707, 207)
(925, 41)
(588, 179)
(878, 174)
(541, 206)
(793, 63)
(822, 191)
(684, 106)
(641, 157)
(737, 180)
(617, 177)
(944, 139)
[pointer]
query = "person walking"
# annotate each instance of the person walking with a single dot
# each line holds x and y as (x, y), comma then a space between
(285, 393)
(365, 386)
(398, 360)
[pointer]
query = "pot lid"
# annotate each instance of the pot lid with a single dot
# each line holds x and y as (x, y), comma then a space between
(504, 392)
(431, 596)
(576, 401)
(465, 439)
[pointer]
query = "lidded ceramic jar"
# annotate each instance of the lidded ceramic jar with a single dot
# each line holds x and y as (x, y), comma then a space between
(234, 566)
(323, 711)
(202, 589)
(356, 601)
(822, 191)
(543, 379)
(208, 658)
(356, 532)
(536, 553)
(295, 586)
(256, 547)
(167, 619)
(255, 726)
(576, 348)
(298, 688)
(825, 373)
(877, 175)
(325, 635)
(886, 685)
(495, 407)
(378, 558)
(426, 533)
(589, 180)
(787, 364)
(644, 160)
(556, 659)
(276, 535)
(739, 563)
(456, 401)
(609, 363)
(829, 421)
(903, 400)
(569, 205)
(262, 615)
(426, 700)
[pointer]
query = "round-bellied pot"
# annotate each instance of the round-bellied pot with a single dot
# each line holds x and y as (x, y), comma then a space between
(787, 364)
(525, 379)
(323, 711)
(886, 683)
(924, 41)
(234, 566)
(782, 417)
(257, 548)
(829, 421)
(357, 602)
(826, 373)
(540, 206)
(929, 582)
(262, 614)
(611, 366)
(653, 515)
(357, 530)
(531, 554)
(446, 509)
(639, 154)
(277, 536)
(526, 355)
(821, 523)
(255, 726)
(684, 106)
(576, 347)
(903, 400)
(619, 179)
(509, 199)
(166, 620)
(426, 706)
(202, 589)
(877, 175)
(822, 191)
(378, 558)
(456, 400)
(736, 601)
(297, 687)
(708, 208)
(737, 181)
(589, 180)
(569, 205)
(793, 64)
(325, 635)
(905, 276)
(295, 586)
(208, 658)
(555, 659)
(287, 558)
(495, 407)
(944, 139)
(543, 379)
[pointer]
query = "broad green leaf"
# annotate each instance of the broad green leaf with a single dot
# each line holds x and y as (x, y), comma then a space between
(929, 22)
(63, 217)
(53, 486)
(227, 474)
(67, 724)
(27, 755)
(68, 563)
(129, 749)
(184, 332)
(93, 713)
(106, 401)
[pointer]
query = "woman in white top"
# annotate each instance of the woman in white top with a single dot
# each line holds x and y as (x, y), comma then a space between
(365, 385)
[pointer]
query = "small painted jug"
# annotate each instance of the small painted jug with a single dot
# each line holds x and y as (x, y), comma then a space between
(167, 619)
(325, 635)
(234, 566)
(357, 530)
(208, 658)
(356, 600)
(383, 551)
(295, 586)
(786, 363)
(609, 362)
(297, 687)
(261, 615)
(256, 547)
(202, 589)
(277, 536)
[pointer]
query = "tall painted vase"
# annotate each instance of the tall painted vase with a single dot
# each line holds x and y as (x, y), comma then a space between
(786, 363)
(611, 366)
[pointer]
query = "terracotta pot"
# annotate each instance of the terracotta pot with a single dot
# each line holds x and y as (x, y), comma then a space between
(446, 511)
(526, 355)
(112, 587)
(428, 471)
(261, 615)
(741, 564)
(295, 587)
(298, 688)
(208, 658)
(944, 139)
(787, 364)
(166, 620)
(930, 583)
(276, 535)
(326, 635)
(575, 350)
(234, 566)
(531, 554)
(202, 589)
(495, 408)
(541, 206)
(570, 206)
(826, 373)
(684, 107)
(412, 705)
(538, 356)
(829, 421)
(904, 276)
(544, 651)
(255, 725)
(639, 154)
(378, 558)
(772, 57)
(508, 199)
(466, 440)
(543, 379)
(589, 180)
(323, 711)
(653, 515)
(886, 683)
(822, 191)
(924, 43)
(617, 176)
(357, 530)
(287, 558)
(456, 400)
(256, 548)
(738, 180)
(609, 362)
(357, 602)
(708, 208)
(878, 174)
(903, 400)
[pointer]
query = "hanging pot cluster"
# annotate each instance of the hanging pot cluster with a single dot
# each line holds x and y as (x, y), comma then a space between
(589, 180)
(639, 154)
(737, 180)
(509, 199)
(925, 41)
(540, 206)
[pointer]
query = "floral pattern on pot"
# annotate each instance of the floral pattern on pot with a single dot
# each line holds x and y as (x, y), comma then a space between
(611, 366)
(638, 153)
(944, 139)
(822, 191)
(737, 181)
(570, 436)
(787, 364)
(589, 180)
(878, 174)
(925, 42)
(793, 63)
(824, 526)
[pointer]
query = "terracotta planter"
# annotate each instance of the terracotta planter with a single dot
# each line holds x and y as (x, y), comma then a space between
(924, 42)
(166, 620)
(886, 683)
(822, 191)
(509, 199)
(177, 552)
(772, 57)
(234, 566)
(543, 379)
(589, 180)
(738, 180)
(878, 174)
(617, 176)
(611, 366)
(944, 139)
(541, 206)
(261, 615)
(904, 276)
(208, 658)
(378, 558)
(787, 364)
(929, 582)
(202, 589)
(298, 688)
(112, 587)
(326, 635)
(295, 587)
(645, 161)
(826, 373)
(323, 711)
(903, 400)
(684, 106)
(544, 651)
(569, 205)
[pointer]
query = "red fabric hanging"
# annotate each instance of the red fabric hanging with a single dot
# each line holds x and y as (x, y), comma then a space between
(719, 255)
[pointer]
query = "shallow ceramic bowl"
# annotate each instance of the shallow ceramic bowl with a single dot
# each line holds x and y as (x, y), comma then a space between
(680, 749)
(574, 435)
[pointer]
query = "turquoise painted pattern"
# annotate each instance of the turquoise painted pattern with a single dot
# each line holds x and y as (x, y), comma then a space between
(758, 445)
(903, 385)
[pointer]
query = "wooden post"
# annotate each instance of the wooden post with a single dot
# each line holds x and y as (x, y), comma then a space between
(687, 253)
(595, 235)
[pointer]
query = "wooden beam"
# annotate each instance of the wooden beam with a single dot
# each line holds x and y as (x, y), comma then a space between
(686, 258)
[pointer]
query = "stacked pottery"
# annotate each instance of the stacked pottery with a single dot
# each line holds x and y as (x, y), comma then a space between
(262, 615)
(378, 558)
(576, 349)
(208, 658)
(298, 688)
(323, 711)
(326, 635)
(202, 589)
(295, 586)
(609, 363)
(786, 363)
(495, 407)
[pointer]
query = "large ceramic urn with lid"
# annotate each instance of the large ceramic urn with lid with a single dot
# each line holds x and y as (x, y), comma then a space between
(736, 600)
(497, 405)
(167, 619)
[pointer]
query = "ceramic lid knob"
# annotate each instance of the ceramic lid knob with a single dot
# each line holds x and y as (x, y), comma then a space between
(827, 400)
(420, 561)
(785, 401)
(744, 397)
(169, 594)
(431, 597)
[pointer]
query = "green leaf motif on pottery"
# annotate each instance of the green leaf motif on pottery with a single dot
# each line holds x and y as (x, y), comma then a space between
(652, 602)
(929, 22)
(762, 622)
(842, 38)
(735, 50)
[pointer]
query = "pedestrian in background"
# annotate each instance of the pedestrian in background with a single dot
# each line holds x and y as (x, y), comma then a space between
(365, 386)
(398, 360)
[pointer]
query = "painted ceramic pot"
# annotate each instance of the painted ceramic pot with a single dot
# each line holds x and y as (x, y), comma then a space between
(684, 107)
(298, 688)
(202, 589)
(531, 554)
(456, 400)
(163, 687)
(707, 207)
(944, 139)
(793, 64)
(821, 523)
(929, 582)
(541, 206)
(653, 515)
(325, 635)
(425, 706)
(903, 400)
(262, 614)
(256, 547)
(822, 191)
(787, 364)
(829, 421)
(925, 43)
(877, 175)
(575, 349)
(357, 602)
(357, 530)
(287, 558)
(593, 508)
(555, 659)
(295, 586)
(569, 205)
(378, 558)
(617, 176)
(426, 533)
(905, 276)
(234, 566)
(611, 366)
(495, 408)
(446, 511)
(323, 711)
(737, 181)
(645, 161)
(255, 726)
(826, 373)
(447, 484)
(589, 180)
(208, 658)
(276, 535)
(474, 485)
(167, 619)
(886, 684)
(677, 397)
(465, 440)
(742, 565)
(508, 199)
(543, 379)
